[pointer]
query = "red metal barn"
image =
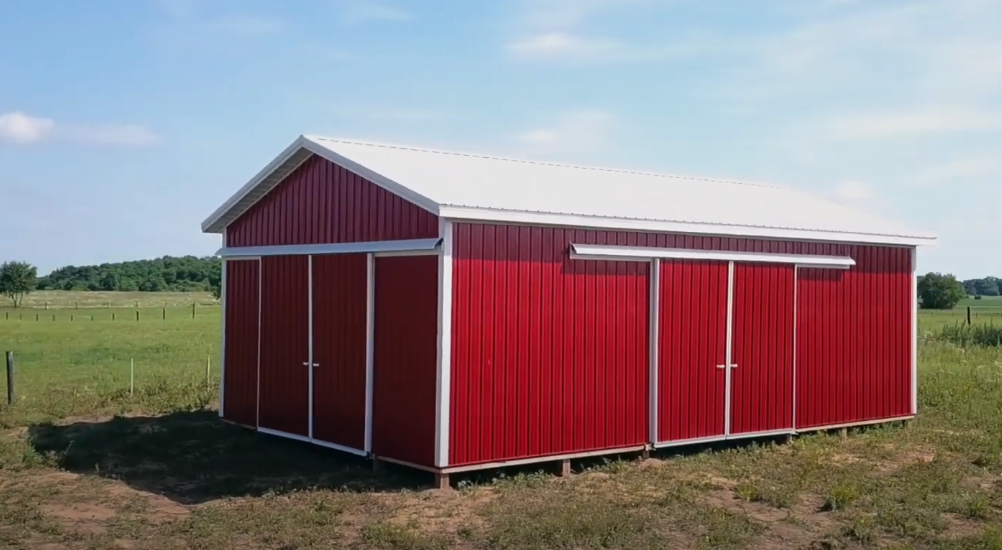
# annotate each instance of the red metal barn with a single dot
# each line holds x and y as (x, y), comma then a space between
(453, 311)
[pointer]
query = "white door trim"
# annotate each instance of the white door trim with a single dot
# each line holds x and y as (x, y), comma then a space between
(728, 365)
(370, 319)
(654, 335)
(309, 364)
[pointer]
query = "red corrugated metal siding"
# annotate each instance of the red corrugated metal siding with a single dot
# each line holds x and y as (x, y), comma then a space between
(240, 371)
(692, 328)
(549, 355)
(321, 202)
(854, 339)
(521, 360)
(339, 323)
(405, 358)
(762, 348)
(284, 382)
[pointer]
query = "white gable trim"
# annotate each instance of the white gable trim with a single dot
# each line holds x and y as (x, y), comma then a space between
(485, 215)
(643, 253)
(287, 162)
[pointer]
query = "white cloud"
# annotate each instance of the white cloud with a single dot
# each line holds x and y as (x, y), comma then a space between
(973, 167)
(19, 128)
(127, 135)
(854, 191)
(573, 132)
(915, 123)
(553, 45)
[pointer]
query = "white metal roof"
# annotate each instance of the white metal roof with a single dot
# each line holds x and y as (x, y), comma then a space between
(479, 187)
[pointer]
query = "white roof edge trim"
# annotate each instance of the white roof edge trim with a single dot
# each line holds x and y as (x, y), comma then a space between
(612, 252)
(212, 223)
(465, 213)
(414, 245)
(380, 180)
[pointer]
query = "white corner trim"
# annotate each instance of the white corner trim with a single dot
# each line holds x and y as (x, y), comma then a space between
(443, 378)
(260, 307)
(641, 253)
(914, 301)
(370, 332)
(465, 213)
(796, 291)
(409, 246)
(655, 342)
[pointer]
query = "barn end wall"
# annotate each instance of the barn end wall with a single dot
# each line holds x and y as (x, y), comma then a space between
(549, 356)
(320, 203)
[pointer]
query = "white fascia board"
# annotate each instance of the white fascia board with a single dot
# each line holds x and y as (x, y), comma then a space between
(415, 245)
(483, 215)
(643, 253)
(319, 149)
(208, 226)
(212, 223)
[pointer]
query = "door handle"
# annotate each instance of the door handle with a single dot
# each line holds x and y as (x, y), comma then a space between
(732, 365)
(308, 364)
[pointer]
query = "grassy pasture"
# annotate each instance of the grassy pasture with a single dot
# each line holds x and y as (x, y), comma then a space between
(83, 464)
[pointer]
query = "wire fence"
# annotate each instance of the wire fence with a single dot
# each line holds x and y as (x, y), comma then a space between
(34, 378)
(111, 314)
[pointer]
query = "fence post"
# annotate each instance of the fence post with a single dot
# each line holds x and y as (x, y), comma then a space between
(193, 310)
(208, 369)
(137, 314)
(36, 316)
(53, 316)
(165, 313)
(968, 315)
(132, 376)
(10, 378)
(112, 315)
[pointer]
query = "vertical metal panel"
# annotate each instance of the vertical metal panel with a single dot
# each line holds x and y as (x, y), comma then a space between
(762, 357)
(853, 339)
(405, 352)
(692, 346)
(549, 355)
(321, 202)
(339, 348)
(284, 337)
(241, 334)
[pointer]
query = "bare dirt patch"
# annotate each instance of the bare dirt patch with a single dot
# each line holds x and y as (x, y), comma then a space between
(80, 517)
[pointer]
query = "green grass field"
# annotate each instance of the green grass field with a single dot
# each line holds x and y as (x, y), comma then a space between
(84, 464)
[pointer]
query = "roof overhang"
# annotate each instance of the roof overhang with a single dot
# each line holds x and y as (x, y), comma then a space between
(285, 164)
(461, 213)
(305, 147)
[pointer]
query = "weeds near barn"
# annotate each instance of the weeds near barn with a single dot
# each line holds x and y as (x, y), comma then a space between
(85, 465)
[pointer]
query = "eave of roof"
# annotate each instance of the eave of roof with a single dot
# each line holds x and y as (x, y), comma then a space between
(305, 146)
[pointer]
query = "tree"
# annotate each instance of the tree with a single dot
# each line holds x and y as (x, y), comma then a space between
(938, 291)
(17, 280)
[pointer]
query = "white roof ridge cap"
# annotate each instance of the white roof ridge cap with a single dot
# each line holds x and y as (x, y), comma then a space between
(317, 138)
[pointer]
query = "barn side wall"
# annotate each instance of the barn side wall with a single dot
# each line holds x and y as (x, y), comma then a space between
(550, 356)
(854, 339)
(240, 371)
(322, 203)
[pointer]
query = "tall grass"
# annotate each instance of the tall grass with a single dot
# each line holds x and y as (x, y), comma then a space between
(971, 335)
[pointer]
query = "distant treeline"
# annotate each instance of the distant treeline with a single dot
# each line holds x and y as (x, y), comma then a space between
(185, 274)
(989, 286)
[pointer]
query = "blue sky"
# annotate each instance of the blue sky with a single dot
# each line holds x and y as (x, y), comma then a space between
(124, 123)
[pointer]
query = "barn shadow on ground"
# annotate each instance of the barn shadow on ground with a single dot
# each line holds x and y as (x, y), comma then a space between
(193, 457)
